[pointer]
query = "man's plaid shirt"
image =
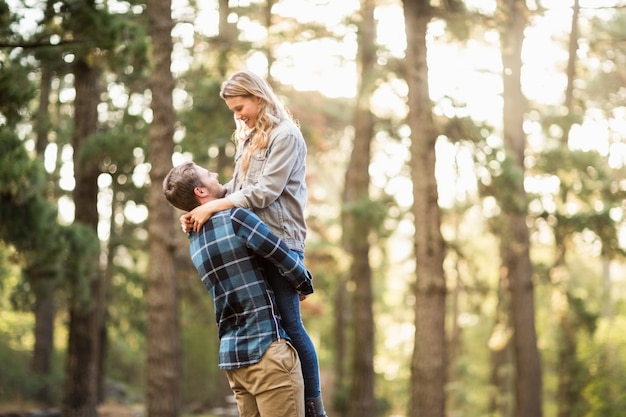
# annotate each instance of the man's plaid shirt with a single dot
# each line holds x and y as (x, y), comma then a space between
(225, 254)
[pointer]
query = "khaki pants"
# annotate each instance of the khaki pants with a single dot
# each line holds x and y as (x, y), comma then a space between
(272, 387)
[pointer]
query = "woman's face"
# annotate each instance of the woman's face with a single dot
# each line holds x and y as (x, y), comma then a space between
(245, 108)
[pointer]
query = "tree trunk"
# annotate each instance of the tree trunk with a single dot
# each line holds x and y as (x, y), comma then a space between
(569, 386)
(44, 285)
(571, 61)
(45, 281)
(342, 312)
(43, 118)
(357, 226)
(228, 41)
(500, 397)
(515, 256)
(163, 370)
(85, 316)
(428, 365)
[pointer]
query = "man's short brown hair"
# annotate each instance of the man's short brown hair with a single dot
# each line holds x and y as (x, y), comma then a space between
(179, 185)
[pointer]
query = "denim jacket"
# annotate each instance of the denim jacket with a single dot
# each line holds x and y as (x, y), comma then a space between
(275, 186)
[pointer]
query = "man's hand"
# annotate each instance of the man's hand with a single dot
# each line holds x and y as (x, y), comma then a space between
(185, 223)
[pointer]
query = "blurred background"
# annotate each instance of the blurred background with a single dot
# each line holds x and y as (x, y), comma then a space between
(466, 201)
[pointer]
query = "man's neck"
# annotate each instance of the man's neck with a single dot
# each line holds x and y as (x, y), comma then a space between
(205, 200)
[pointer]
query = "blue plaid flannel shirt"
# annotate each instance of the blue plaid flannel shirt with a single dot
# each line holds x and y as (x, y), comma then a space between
(225, 254)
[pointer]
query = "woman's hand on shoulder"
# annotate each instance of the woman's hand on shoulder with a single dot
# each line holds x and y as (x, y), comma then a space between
(198, 216)
(195, 219)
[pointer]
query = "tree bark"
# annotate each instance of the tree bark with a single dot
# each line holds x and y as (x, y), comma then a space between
(428, 365)
(81, 388)
(500, 348)
(515, 236)
(44, 285)
(357, 225)
(569, 387)
(228, 41)
(163, 370)
(43, 281)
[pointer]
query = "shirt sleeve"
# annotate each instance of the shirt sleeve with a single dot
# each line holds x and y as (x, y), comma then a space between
(267, 245)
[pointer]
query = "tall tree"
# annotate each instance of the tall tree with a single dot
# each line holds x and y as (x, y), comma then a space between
(45, 309)
(163, 352)
(40, 268)
(570, 369)
(24, 207)
(514, 233)
(86, 313)
(357, 223)
(428, 365)
(17, 91)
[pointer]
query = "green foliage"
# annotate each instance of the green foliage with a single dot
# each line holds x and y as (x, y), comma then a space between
(585, 319)
(27, 220)
(126, 358)
(606, 78)
(17, 380)
(6, 19)
(16, 90)
(605, 356)
(80, 263)
(561, 122)
(584, 178)
(114, 146)
(208, 122)
(601, 223)
(130, 53)
(583, 174)
(507, 180)
(462, 129)
(200, 345)
(20, 176)
(369, 212)
(90, 25)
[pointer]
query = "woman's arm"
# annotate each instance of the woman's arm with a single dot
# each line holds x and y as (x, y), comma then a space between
(195, 219)
(267, 245)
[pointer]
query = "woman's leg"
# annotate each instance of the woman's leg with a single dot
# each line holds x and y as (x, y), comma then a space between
(288, 302)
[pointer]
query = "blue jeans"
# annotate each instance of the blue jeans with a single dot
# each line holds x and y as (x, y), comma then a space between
(288, 302)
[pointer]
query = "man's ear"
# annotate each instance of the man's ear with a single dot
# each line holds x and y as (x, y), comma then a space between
(199, 192)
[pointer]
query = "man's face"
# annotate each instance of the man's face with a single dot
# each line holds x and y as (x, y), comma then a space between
(244, 108)
(210, 182)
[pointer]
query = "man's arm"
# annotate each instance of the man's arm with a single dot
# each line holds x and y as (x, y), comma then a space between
(267, 245)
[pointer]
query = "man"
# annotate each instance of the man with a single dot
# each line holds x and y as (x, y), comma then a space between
(262, 367)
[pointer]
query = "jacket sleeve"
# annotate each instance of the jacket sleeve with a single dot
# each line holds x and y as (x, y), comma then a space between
(258, 237)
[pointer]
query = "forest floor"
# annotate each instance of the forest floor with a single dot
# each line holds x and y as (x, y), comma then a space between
(105, 410)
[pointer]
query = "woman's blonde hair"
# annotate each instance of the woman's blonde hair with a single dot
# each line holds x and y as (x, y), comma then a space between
(270, 113)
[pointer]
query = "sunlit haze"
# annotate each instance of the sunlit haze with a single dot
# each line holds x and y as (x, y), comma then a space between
(459, 73)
